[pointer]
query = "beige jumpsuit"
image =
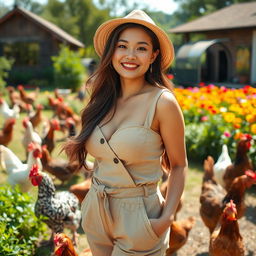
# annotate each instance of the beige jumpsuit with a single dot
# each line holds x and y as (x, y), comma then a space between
(124, 194)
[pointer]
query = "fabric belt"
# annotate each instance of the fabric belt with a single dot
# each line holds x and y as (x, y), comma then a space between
(103, 192)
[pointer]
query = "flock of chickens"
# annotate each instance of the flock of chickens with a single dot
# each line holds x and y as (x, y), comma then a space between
(222, 199)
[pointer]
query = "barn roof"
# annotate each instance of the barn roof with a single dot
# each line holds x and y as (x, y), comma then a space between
(241, 15)
(47, 25)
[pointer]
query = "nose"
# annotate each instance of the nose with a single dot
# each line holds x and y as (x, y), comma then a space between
(131, 54)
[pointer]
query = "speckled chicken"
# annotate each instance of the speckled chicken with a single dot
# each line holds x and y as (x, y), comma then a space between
(61, 208)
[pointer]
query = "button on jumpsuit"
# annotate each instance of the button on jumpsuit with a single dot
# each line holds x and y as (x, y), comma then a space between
(124, 195)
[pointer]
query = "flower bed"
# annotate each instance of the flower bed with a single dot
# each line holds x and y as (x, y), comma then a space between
(215, 116)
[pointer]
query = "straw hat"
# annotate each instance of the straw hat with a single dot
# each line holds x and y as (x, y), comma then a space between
(139, 17)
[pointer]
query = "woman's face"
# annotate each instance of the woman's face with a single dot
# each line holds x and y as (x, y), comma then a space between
(133, 54)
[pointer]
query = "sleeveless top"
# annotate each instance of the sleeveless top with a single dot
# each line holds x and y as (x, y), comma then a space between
(137, 149)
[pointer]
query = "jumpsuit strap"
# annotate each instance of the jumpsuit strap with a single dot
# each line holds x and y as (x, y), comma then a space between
(152, 108)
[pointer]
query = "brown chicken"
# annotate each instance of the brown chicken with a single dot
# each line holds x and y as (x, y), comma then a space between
(213, 197)
(59, 168)
(226, 240)
(241, 163)
(65, 247)
(6, 134)
(48, 140)
(163, 190)
(14, 96)
(179, 234)
(37, 117)
(80, 190)
(28, 98)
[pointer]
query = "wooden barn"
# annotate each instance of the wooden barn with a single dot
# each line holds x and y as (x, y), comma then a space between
(227, 51)
(31, 41)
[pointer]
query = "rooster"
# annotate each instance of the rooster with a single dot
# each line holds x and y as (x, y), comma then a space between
(16, 170)
(59, 168)
(241, 163)
(61, 209)
(213, 197)
(7, 112)
(179, 234)
(6, 134)
(64, 246)
(220, 166)
(226, 240)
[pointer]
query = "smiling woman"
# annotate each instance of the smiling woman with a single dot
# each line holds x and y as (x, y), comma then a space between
(126, 129)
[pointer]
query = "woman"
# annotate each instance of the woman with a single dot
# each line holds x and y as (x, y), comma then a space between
(134, 129)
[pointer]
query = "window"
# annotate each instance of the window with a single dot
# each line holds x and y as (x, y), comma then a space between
(24, 53)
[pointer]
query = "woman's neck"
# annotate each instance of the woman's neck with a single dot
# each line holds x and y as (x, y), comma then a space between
(131, 88)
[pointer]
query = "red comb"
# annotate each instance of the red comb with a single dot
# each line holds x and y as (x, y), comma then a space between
(250, 174)
(34, 170)
(31, 146)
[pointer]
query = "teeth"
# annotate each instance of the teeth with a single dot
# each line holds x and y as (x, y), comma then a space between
(129, 65)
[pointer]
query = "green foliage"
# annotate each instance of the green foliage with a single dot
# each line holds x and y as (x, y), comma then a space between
(5, 66)
(19, 227)
(68, 69)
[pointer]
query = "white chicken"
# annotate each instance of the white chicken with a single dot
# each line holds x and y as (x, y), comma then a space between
(17, 171)
(7, 112)
(220, 166)
(30, 135)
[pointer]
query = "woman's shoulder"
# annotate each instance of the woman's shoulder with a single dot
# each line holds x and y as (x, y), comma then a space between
(167, 101)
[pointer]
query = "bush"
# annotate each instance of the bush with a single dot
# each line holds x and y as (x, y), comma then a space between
(68, 69)
(5, 66)
(19, 227)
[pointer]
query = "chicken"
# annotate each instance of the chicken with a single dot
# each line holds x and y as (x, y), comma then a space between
(16, 170)
(71, 127)
(36, 118)
(14, 96)
(163, 190)
(241, 163)
(64, 247)
(30, 135)
(179, 234)
(7, 112)
(6, 134)
(48, 140)
(227, 240)
(80, 190)
(59, 168)
(61, 209)
(220, 166)
(213, 197)
(28, 98)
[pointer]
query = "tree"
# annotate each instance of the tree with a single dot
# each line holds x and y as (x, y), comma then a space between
(30, 5)
(80, 18)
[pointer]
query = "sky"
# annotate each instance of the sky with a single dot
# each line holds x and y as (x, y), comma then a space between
(167, 6)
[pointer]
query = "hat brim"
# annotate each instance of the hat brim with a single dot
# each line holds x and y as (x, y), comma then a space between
(103, 32)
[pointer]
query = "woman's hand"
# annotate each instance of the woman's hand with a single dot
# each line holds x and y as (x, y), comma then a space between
(160, 225)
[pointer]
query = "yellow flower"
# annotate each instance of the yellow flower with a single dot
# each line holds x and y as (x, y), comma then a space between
(253, 128)
(229, 117)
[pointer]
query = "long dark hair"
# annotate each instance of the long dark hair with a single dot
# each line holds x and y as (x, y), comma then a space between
(105, 89)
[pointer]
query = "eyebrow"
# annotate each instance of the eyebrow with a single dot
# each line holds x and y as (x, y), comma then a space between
(125, 41)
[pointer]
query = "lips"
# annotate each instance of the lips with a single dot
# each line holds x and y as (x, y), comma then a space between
(129, 66)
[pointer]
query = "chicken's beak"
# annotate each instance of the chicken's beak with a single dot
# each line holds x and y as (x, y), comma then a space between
(2, 162)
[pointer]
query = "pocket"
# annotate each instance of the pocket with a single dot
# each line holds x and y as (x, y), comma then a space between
(148, 224)
(134, 231)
